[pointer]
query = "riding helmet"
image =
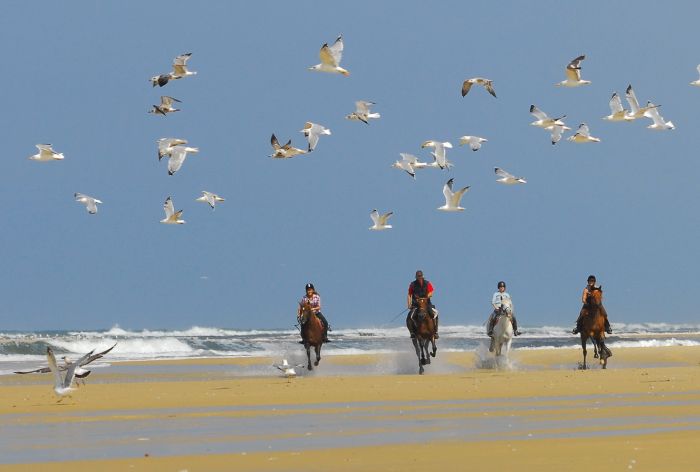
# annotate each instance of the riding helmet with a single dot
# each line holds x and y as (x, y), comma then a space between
(309, 286)
(591, 277)
(501, 284)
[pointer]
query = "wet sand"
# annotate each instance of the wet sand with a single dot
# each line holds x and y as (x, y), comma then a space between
(643, 413)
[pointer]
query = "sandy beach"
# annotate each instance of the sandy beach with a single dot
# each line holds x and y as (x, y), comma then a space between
(643, 413)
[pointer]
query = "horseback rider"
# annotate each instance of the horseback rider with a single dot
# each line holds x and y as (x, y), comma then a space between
(499, 300)
(419, 288)
(584, 309)
(314, 300)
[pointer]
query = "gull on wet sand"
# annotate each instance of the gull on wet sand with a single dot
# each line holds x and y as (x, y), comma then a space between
(287, 369)
(508, 179)
(330, 58)
(473, 141)
(178, 154)
(179, 71)
(362, 112)
(46, 154)
(165, 107)
(286, 151)
(313, 131)
(89, 202)
(617, 111)
(583, 135)
(210, 198)
(172, 217)
(486, 83)
(440, 153)
(573, 74)
(380, 220)
(452, 198)
(659, 124)
(63, 383)
(165, 145)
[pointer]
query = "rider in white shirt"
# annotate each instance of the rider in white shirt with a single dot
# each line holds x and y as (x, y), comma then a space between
(499, 300)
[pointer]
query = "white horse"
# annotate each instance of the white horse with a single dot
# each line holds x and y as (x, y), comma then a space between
(503, 331)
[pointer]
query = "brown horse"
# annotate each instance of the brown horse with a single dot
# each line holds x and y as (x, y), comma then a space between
(425, 333)
(593, 326)
(311, 333)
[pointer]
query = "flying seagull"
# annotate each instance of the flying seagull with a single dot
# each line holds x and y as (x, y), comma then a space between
(573, 74)
(178, 154)
(557, 131)
(165, 146)
(171, 216)
(508, 179)
(286, 151)
(62, 383)
(635, 110)
(166, 106)
(89, 202)
(452, 199)
(583, 135)
(440, 153)
(407, 163)
(543, 120)
(362, 112)
(313, 131)
(696, 82)
(288, 370)
(210, 198)
(617, 111)
(46, 154)
(473, 141)
(79, 371)
(659, 124)
(486, 83)
(330, 58)
(179, 71)
(380, 220)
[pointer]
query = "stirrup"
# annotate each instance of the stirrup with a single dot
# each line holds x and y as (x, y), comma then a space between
(609, 330)
(413, 335)
(436, 336)
(575, 331)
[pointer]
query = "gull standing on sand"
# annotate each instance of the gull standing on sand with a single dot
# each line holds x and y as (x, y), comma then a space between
(473, 141)
(407, 164)
(452, 199)
(583, 135)
(617, 111)
(178, 154)
(573, 74)
(508, 179)
(89, 202)
(659, 124)
(171, 216)
(210, 198)
(313, 131)
(166, 106)
(380, 220)
(440, 153)
(286, 151)
(362, 112)
(46, 154)
(288, 370)
(486, 83)
(635, 110)
(62, 384)
(330, 58)
(543, 120)
(179, 71)
(165, 146)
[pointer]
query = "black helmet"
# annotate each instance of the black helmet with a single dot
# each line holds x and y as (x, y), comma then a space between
(591, 278)
(309, 286)
(501, 284)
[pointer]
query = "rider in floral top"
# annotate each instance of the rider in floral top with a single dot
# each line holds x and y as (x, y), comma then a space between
(314, 299)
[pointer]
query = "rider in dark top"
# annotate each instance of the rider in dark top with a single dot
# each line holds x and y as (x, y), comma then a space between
(584, 299)
(419, 288)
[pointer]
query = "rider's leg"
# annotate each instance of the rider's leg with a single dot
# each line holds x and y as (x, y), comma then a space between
(435, 320)
(491, 324)
(324, 322)
(409, 323)
(608, 329)
(516, 332)
(577, 329)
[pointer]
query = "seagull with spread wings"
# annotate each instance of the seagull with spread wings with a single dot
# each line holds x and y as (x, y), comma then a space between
(165, 107)
(178, 154)
(89, 202)
(380, 220)
(286, 151)
(440, 153)
(659, 124)
(210, 198)
(330, 58)
(486, 83)
(80, 373)
(508, 179)
(63, 383)
(474, 142)
(179, 71)
(635, 110)
(287, 369)
(557, 131)
(543, 120)
(573, 74)
(362, 112)
(165, 146)
(46, 154)
(583, 135)
(696, 82)
(407, 164)
(172, 217)
(617, 111)
(313, 131)
(452, 198)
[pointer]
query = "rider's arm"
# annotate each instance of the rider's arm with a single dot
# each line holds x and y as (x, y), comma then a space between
(584, 295)
(317, 309)
(409, 302)
(430, 290)
(495, 301)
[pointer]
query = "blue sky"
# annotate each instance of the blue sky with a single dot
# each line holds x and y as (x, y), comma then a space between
(76, 75)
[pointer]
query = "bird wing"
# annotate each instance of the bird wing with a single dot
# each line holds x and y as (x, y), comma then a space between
(40, 370)
(58, 381)
(70, 371)
(97, 355)
(312, 136)
(457, 196)
(489, 87)
(447, 190)
(275, 143)
(383, 219)
(91, 206)
(45, 148)
(557, 131)
(181, 60)
(653, 113)
(362, 106)
(336, 50)
(409, 158)
(502, 173)
(168, 207)
(179, 69)
(177, 158)
(573, 69)
(375, 217)
(616, 104)
(583, 130)
(632, 100)
(537, 113)
(466, 86)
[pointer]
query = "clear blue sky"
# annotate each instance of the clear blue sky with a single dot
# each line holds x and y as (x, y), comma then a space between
(76, 75)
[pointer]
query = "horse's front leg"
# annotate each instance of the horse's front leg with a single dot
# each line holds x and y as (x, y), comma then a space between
(308, 356)
(318, 354)
(434, 347)
(583, 345)
(417, 347)
(426, 354)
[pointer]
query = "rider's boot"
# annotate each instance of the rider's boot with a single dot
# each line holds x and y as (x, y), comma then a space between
(516, 331)
(325, 335)
(608, 329)
(491, 346)
(577, 329)
(489, 332)
(436, 335)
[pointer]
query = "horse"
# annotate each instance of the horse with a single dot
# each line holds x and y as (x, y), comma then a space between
(311, 333)
(425, 333)
(503, 331)
(593, 326)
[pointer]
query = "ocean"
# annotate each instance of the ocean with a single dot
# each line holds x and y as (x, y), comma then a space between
(26, 350)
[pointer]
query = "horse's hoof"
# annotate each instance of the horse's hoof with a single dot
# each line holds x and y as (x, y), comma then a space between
(421, 371)
(433, 353)
(422, 362)
(316, 363)
(595, 356)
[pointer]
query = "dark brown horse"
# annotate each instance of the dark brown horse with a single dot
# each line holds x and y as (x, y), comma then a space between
(425, 333)
(311, 333)
(593, 326)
